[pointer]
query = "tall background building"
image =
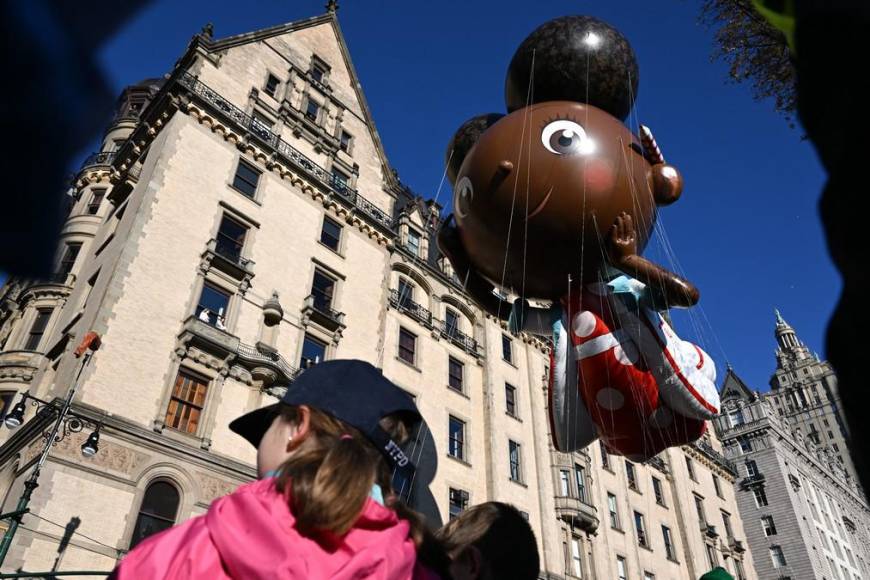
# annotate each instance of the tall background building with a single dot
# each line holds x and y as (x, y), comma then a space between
(804, 513)
(242, 223)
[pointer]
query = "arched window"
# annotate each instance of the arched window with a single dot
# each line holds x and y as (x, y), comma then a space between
(158, 511)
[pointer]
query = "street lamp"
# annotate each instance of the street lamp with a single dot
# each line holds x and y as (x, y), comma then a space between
(65, 422)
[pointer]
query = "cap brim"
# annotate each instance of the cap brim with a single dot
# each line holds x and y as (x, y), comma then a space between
(252, 426)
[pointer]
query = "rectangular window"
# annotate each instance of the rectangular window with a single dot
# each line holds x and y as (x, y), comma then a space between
(246, 178)
(777, 556)
(340, 180)
(212, 306)
(68, 261)
(262, 125)
(458, 501)
(456, 443)
(507, 348)
(716, 485)
(406, 293)
(605, 457)
(726, 521)
(658, 491)
(760, 497)
(640, 529)
(751, 468)
(669, 543)
(186, 403)
(6, 398)
(515, 458)
(455, 374)
(451, 321)
(631, 476)
(313, 352)
(414, 242)
(37, 329)
(711, 555)
(323, 291)
(330, 234)
(741, 574)
(97, 196)
(407, 345)
(317, 73)
(565, 482)
(510, 398)
(745, 444)
(621, 569)
(649, 576)
(690, 468)
(580, 476)
(344, 141)
(613, 510)
(768, 526)
(312, 110)
(230, 239)
(699, 509)
(576, 561)
(271, 87)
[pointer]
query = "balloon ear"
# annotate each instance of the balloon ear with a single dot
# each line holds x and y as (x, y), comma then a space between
(464, 139)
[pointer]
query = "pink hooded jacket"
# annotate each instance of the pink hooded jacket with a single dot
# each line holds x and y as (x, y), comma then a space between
(250, 534)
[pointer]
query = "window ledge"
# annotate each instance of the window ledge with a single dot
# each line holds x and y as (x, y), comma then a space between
(410, 365)
(518, 482)
(647, 548)
(336, 252)
(512, 416)
(635, 490)
(620, 530)
(510, 362)
(458, 460)
(673, 560)
(458, 392)
(245, 195)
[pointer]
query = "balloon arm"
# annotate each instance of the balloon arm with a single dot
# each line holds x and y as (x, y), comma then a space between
(476, 285)
(669, 290)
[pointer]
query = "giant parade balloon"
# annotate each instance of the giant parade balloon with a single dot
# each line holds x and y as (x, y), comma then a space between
(555, 201)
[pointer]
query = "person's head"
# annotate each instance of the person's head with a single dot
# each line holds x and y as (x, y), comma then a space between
(488, 541)
(335, 434)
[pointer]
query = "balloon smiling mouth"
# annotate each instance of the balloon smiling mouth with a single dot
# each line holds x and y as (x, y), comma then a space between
(540, 205)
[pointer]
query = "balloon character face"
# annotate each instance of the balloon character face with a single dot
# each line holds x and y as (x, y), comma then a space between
(548, 181)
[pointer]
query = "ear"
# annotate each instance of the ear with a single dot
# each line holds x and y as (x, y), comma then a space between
(301, 430)
(474, 560)
(464, 139)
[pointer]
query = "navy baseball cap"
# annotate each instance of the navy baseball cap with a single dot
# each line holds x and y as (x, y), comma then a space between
(353, 391)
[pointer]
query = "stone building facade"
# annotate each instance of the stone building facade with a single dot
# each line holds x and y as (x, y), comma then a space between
(803, 511)
(242, 223)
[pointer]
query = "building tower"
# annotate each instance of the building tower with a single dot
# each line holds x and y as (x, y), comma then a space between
(241, 223)
(804, 392)
(804, 517)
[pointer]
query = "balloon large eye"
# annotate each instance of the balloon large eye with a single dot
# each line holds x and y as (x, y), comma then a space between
(566, 137)
(464, 196)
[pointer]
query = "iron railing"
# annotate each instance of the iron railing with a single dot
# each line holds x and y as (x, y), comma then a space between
(459, 338)
(411, 308)
(285, 150)
(100, 158)
(715, 456)
(253, 354)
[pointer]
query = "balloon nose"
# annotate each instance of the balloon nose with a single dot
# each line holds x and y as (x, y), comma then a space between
(505, 167)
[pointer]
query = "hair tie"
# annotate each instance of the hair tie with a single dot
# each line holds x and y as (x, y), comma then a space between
(346, 436)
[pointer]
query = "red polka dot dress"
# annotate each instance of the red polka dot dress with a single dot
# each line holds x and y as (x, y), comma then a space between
(638, 386)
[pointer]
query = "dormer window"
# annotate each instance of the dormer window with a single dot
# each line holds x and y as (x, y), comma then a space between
(345, 140)
(317, 73)
(414, 242)
(318, 70)
(271, 86)
(312, 110)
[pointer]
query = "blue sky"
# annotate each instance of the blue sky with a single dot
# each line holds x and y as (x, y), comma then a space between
(746, 230)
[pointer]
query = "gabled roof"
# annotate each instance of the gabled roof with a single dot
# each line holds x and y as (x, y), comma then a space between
(733, 387)
(210, 45)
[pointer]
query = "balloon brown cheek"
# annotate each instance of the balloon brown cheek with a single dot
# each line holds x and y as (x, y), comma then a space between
(599, 177)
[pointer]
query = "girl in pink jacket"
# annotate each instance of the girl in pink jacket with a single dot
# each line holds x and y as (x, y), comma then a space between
(325, 507)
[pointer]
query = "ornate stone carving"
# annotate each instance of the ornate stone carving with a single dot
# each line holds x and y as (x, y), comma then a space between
(213, 488)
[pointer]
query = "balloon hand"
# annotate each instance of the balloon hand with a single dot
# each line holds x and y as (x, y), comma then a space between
(623, 240)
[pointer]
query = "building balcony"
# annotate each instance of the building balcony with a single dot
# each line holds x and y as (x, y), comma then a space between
(709, 530)
(577, 513)
(267, 364)
(737, 545)
(19, 366)
(411, 308)
(752, 481)
(99, 158)
(320, 311)
(460, 339)
(658, 463)
(227, 257)
(707, 450)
